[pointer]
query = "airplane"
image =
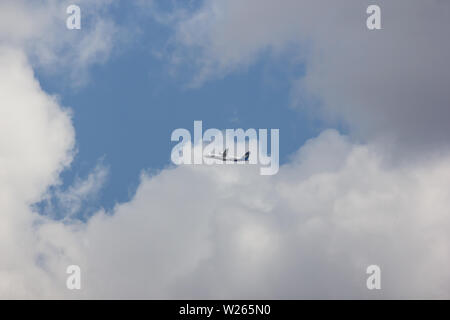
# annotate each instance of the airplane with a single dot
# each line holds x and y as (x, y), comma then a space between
(224, 158)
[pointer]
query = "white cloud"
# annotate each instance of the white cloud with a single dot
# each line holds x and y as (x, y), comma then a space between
(39, 28)
(36, 134)
(310, 231)
(36, 142)
(73, 201)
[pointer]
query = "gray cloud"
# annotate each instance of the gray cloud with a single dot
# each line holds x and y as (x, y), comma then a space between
(390, 84)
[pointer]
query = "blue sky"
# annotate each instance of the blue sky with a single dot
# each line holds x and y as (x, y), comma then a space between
(125, 113)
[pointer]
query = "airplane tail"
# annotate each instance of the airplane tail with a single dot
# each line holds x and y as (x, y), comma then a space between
(224, 155)
(246, 156)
